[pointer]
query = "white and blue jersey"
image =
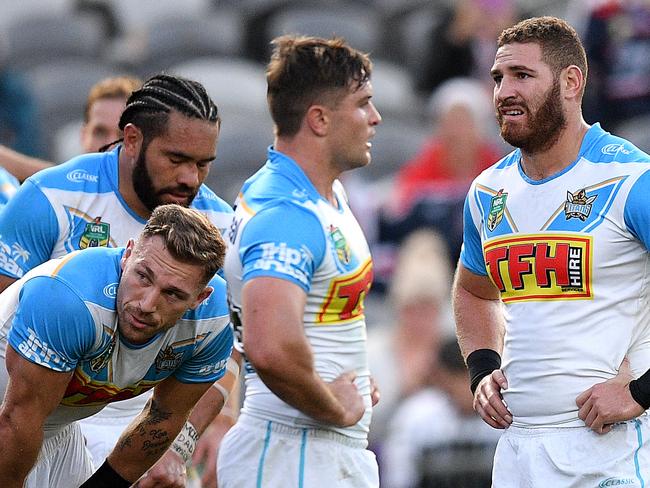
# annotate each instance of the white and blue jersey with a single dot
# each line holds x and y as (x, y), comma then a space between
(284, 229)
(8, 186)
(80, 334)
(569, 255)
(74, 206)
(77, 205)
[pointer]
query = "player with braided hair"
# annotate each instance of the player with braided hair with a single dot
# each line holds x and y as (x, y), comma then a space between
(170, 129)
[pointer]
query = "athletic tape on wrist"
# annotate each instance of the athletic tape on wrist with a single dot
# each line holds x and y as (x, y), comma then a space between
(481, 363)
(224, 392)
(640, 390)
(185, 442)
(106, 477)
(232, 366)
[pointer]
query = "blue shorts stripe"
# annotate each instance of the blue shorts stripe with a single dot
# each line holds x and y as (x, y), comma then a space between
(301, 465)
(260, 468)
(639, 435)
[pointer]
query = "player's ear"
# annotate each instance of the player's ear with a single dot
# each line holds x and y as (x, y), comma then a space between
(318, 119)
(133, 138)
(205, 293)
(127, 253)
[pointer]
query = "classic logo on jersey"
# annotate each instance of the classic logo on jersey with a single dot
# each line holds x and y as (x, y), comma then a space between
(612, 149)
(110, 290)
(96, 234)
(168, 359)
(541, 267)
(10, 256)
(101, 361)
(340, 244)
(497, 207)
(345, 296)
(616, 482)
(80, 175)
(578, 205)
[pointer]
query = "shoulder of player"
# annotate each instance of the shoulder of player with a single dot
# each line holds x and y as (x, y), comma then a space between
(601, 146)
(93, 273)
(80, 172)
(208, 200)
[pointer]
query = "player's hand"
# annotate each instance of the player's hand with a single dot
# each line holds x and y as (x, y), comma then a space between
(488, 401)
(346, 392)
(168, 472)
(609, 402)
(374, 392)
(207, 449)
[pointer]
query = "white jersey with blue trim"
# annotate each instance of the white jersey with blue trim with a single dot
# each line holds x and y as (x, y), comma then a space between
(80, 334)
(284, 229)
(569, 255)
(77, 205)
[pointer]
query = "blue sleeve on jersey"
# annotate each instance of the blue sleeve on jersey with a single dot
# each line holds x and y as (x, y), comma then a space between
(286, 241)
(637, 209)
(209, 364)
(471, 254)
(52, 326)
(28, 231)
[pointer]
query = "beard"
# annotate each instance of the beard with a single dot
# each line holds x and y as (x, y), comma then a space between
(544, 127)
(147, 192)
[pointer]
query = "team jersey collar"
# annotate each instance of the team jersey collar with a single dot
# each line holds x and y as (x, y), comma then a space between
(283, 164)
(591, 136)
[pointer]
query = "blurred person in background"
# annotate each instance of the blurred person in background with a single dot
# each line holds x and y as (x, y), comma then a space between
(104, 105)
(429, 190)
(399, 351)
(463, 40)
(617, 42)
(435, 438)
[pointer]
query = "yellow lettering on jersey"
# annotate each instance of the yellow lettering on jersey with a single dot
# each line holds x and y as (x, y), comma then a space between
(541, 267)
(344, 300)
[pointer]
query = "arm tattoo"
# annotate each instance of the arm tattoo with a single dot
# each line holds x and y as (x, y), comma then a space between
(152, 440)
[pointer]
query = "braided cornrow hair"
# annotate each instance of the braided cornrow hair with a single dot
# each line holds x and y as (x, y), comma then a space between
(148, 108)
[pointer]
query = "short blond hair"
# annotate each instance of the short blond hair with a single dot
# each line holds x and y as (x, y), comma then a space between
(108, 88)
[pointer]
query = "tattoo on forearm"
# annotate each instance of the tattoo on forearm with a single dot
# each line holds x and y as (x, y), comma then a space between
(152, 439)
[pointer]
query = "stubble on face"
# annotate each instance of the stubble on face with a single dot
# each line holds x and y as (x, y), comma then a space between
(544, 127)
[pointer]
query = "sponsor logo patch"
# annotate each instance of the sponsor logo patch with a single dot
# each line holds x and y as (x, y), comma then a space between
(168, 360)
(80, 175)
(95, 234)
(541, 267)
(497, 207)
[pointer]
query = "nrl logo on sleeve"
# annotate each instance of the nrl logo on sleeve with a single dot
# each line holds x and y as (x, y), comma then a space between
(578, 205)
(96, 234)
(340, 244)
(497, 207)
(168, 359)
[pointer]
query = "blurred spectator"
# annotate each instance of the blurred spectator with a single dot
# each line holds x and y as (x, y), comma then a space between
(435, 439)
(400, 352)
(18, 116)
(430, 189)
(104, 105)
(617, 42)
(464, 40)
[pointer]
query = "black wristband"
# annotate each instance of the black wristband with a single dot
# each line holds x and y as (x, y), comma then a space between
(640, 390)
(106, 477)
(481, 363)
